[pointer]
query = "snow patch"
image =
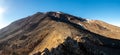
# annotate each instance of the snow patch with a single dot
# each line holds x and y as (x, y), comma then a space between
(89, 20)
(81, 25)
(59, 12)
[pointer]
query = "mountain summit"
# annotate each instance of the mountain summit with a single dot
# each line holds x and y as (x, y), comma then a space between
(58, 33)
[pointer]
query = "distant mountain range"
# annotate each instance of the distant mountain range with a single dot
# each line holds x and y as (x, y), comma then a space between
(58, 33)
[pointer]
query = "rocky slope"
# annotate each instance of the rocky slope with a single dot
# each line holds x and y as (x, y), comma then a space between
(57, 33)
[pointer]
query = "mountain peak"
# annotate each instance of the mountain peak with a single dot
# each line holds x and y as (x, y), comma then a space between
(58, 33)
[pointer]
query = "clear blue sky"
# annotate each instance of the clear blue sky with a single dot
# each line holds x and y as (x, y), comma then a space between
(105, 10)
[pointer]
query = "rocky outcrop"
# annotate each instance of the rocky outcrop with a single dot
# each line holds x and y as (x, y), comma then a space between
(69, 47)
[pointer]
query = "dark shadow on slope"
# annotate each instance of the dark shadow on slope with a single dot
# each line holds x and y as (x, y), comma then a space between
(108, 45)
(69, 47)
(72, 47)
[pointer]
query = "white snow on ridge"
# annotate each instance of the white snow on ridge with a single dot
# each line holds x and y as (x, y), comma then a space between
(59, 12)
(81, 25)
(89, 20)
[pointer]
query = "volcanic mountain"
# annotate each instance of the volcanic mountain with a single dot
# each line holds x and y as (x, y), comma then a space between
(58, 33)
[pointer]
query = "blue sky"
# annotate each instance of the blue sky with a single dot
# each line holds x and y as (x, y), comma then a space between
(105, 10)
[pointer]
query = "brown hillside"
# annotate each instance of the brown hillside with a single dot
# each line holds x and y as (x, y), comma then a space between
(57, 33)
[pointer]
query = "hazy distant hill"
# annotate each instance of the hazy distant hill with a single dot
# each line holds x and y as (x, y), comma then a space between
(58, 33)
